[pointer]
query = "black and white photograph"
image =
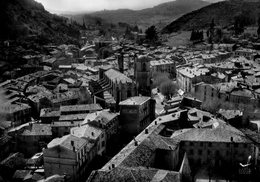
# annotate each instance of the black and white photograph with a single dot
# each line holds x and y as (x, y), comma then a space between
(130, 91)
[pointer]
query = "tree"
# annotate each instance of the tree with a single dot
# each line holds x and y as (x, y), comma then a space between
(159, 78)
(211, 106)
(168, 88)
(151, 34)
(127, 31)
(84, 25)
(211, 30)
(197, 35)
(258, 30)
(212, 24)
(192, 36)
(219, 34)
(136, 29)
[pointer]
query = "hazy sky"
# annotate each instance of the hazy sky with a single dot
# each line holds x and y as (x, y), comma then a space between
(94, 5)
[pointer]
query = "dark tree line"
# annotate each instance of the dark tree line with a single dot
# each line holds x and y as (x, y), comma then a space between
(245, 18)
(196, 35)
(151, 35)
(258, 30)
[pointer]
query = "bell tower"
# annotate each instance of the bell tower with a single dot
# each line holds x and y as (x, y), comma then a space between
(142, 75)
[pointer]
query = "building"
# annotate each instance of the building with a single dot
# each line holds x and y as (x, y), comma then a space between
(164, 153)
(18, 113)
(136, 113)
(163, 66)
(34, 138)
(117, 84)
(95, 135)
(247, 53)
(79, 109)
(186, 76)
(142, 75)
(105, 120)
(68, 156)
(149, 157)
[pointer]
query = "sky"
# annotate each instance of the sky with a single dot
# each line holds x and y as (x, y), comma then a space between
(95, 5)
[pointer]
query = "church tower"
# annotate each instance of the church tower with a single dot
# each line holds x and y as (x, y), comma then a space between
(142, 75)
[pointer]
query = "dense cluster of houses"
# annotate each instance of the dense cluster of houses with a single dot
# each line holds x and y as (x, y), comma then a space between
(77, 107)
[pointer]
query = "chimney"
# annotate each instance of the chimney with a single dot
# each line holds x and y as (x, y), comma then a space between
(155, 122)
(231, 139)
(92, 133)
(146, 131)
(113, 166)
(72, 143)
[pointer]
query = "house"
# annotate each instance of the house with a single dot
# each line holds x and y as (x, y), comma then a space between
(34, 138)
(79, 109)
(136, 113)
(105, 120)
(69, 155)
(186, 75)
(18, 113)
(95, 135)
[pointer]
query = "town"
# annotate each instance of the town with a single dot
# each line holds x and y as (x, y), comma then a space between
(133, 108)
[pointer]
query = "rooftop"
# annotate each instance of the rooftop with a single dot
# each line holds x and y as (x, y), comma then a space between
(87, 107)
(135, 100)
(117, 77)
(192, 72)
(38, 130)
(66, 142)
(223, 133)
(86, 131)
(230, 114)
(133, 175)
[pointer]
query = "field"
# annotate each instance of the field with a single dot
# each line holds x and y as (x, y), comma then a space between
(178, 39)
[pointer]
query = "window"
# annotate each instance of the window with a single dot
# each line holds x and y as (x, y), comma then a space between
(199, 161)
(217, 153)
(191, 152)
(200, 152)
(129, 94)
(144, 67)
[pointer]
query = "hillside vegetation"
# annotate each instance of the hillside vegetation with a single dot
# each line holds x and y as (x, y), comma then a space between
(22, 19)
(223, 13)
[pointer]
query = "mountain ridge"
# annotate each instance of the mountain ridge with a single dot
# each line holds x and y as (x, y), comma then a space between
(223, 13)
(161, 13)
(21, 19)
